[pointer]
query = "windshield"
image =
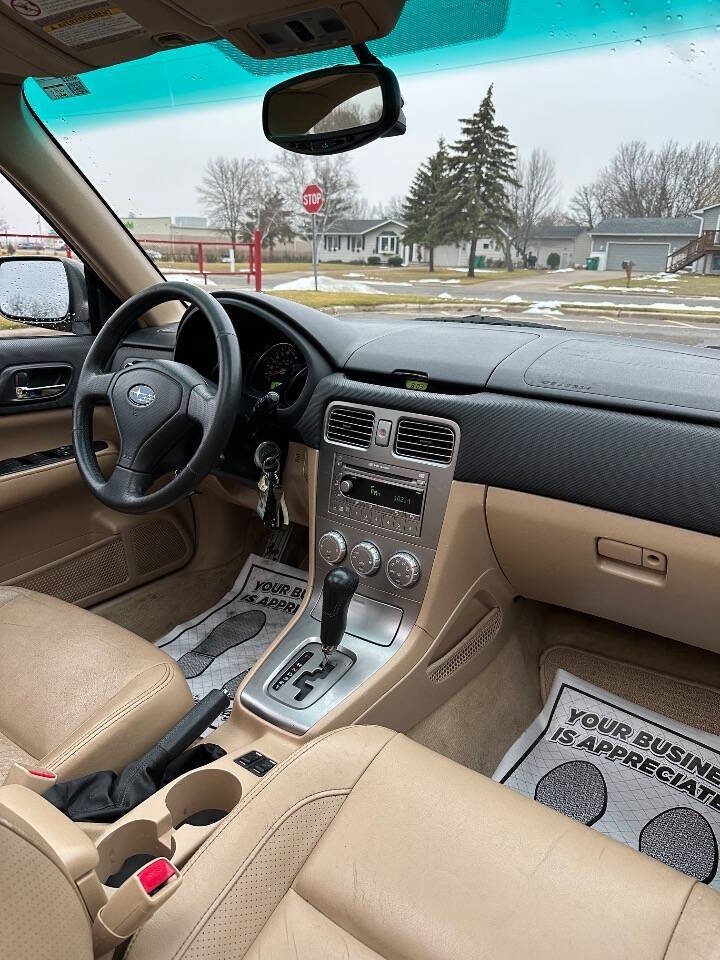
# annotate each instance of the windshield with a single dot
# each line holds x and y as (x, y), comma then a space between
(603, 210)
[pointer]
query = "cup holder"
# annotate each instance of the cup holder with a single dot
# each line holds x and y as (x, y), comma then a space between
(203, 797)
(125, 850)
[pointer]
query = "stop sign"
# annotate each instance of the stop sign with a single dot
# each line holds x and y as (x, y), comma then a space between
(312, 198)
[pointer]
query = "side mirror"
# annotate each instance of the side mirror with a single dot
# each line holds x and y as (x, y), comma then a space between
(47, 292)
(334, 110)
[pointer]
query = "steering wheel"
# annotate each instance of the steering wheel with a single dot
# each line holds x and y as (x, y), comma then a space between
(155, 404)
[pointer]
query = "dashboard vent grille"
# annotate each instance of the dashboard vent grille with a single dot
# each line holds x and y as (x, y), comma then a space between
(424, 440)
(351, 426)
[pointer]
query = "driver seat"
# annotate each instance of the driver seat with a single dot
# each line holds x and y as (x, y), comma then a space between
(79, 693)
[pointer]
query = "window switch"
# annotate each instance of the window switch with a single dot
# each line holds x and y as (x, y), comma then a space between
(255, 762)
(263, 766)
(248, 759)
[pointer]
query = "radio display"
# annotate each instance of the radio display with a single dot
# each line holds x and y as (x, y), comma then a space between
(386, 495)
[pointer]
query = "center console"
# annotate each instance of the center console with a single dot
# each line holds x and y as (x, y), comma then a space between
(384, 478)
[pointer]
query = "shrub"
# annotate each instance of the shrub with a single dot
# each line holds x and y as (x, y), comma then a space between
(553, 260)
(374, 261)
(395, 261)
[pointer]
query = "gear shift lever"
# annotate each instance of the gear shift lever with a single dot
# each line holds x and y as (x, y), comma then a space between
(338, 589)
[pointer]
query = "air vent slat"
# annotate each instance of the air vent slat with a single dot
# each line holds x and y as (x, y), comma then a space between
(424, 440)
(351, 426)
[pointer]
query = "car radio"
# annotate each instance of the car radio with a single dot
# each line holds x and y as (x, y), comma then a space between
(379, 494)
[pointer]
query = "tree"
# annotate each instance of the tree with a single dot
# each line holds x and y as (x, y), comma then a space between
(532, 196)
(638, 181)
(424, 207)
(266, 208)
(481, 168)
(584, 207)
(334, 175)
(225, 189)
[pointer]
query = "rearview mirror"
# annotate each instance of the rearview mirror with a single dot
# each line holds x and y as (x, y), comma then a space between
(44, 292)
(334, 110)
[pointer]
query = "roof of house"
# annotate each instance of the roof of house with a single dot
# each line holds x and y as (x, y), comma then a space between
(359, 227)
(562, 231)
(647, 226)
(702, 210)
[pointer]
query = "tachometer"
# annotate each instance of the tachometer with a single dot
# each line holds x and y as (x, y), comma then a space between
(277, 368)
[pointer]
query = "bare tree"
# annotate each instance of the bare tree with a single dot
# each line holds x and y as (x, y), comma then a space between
(225, 189)
(532, 197)
(638, 181)
(333, 175)
(584, 207)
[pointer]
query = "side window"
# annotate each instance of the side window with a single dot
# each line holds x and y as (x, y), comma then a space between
(38, 272)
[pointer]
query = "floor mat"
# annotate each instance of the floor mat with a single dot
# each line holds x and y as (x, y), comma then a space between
(217, 648)
(695, 704)
(626, 771)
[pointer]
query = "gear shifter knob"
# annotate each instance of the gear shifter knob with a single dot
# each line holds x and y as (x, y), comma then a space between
(338, 589)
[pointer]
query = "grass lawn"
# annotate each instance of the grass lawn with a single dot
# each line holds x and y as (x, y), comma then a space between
(360, 271)
(686, 285)
(321, 300)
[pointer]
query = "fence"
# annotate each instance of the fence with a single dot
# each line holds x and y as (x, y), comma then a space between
(195, 258)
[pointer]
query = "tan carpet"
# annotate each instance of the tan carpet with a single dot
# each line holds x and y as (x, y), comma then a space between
(687, 701)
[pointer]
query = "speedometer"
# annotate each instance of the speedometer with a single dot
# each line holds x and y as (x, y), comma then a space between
(277, 368)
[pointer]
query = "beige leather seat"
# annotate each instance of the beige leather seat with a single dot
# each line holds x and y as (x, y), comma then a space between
(364, 845)
(79, 693)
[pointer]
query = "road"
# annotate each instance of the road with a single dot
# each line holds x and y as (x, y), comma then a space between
(553, 287)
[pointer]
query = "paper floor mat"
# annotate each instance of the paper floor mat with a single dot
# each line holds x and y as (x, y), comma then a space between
(650, 782)
(217, 648)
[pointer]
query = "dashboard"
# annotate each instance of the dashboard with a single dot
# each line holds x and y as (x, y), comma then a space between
(628, 426)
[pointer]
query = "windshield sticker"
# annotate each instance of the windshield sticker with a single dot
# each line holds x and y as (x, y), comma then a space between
(61, 88)
(78, 23)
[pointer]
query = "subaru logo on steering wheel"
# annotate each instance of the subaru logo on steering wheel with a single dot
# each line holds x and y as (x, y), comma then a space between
(141, 395)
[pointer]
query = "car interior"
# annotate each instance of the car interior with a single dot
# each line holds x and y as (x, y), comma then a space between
(466, 509)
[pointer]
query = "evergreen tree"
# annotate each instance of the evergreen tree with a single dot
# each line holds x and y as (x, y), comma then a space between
(424, 209)
(481, 168)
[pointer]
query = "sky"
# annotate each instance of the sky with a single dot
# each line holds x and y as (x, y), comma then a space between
(578, 105)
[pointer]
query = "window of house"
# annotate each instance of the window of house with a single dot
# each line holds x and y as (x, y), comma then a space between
(486, 246)
(34, 295)
(331, 242)
(356, 244)
(387, 243)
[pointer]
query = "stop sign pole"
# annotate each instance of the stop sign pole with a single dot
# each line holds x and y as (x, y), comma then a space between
(312, 201)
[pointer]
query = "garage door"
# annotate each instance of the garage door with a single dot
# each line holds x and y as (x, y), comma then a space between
(647, 257)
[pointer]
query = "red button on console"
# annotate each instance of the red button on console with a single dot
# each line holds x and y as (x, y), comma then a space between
(46, 774)
(155, 875)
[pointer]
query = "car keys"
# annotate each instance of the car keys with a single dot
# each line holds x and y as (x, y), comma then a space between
(271, 504)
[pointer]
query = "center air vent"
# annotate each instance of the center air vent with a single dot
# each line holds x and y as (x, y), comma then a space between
(424, 440)
(352, 426)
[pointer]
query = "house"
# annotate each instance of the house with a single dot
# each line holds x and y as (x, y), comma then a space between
(351, 240)
(646, 241)
(702, 253)
(570, 241)
(456, 254)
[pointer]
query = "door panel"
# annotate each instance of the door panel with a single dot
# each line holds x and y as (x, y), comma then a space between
(55, 537)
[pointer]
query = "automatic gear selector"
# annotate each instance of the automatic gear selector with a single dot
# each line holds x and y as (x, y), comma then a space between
(338, 590)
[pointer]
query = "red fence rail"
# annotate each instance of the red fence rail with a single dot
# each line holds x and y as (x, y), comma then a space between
(44, 243)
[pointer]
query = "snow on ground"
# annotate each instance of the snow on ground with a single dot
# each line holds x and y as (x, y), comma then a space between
(598, 286)
(564, 270)
(546, 308)
(512, 298)
(328, 285)
(437, 280)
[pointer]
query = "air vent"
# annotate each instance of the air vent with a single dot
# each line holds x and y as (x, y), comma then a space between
(351, 425)
(424, 440)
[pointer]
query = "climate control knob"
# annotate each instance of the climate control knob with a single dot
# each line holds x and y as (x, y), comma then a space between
(365, 558)
(332, 547)
(403, 570)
